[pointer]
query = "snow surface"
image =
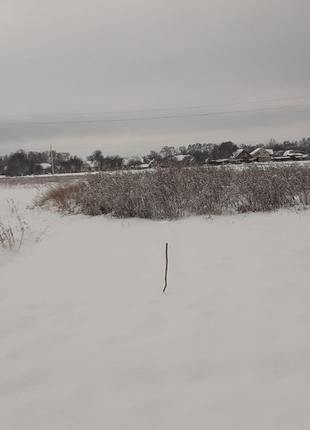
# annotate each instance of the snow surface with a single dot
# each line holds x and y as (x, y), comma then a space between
(88, 340)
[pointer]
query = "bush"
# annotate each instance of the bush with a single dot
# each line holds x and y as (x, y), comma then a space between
(174, 193)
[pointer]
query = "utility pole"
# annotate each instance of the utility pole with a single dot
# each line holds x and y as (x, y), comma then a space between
(52, 160)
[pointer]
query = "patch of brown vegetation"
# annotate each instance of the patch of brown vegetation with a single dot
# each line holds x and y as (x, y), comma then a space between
(65, 197)
(173, 193)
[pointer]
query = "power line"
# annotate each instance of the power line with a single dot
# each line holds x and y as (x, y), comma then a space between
(155, 117)
(169, 108)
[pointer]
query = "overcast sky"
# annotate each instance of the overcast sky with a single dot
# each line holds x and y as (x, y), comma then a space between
(84, 63)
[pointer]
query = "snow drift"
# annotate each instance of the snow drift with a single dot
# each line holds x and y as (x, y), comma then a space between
(88, 340)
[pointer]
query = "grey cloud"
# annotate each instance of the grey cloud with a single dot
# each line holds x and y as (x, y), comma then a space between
(92, 56)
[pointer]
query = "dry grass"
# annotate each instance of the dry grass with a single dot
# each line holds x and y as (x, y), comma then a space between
(12, 233)
(64, 197)
(174, 193)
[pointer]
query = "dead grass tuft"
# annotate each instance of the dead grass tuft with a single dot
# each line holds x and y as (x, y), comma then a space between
(65, 197)
(12, 232)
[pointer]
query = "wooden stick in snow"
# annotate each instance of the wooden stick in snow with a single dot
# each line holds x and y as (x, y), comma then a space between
(166, 270)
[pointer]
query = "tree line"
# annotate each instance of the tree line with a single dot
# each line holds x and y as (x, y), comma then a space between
(22, 163)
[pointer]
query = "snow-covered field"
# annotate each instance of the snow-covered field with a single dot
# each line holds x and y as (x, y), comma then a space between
(88, 340)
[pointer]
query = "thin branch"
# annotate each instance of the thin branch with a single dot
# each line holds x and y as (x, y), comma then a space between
(166, 270)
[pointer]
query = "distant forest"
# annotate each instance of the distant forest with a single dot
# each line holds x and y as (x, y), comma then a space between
(22, 163)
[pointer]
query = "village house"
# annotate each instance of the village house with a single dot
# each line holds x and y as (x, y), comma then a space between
(295, 155)
(241, 155)
(90, 166)
(182, 159)
(43, 168)
(144, 166)
(218, 161)
(261, 154)
(132, 162)
(179, 160)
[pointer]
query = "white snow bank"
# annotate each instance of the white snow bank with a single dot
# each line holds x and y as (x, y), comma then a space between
(88, 340)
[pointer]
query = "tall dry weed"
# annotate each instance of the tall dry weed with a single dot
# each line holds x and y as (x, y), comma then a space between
(12, 231)
(173, 193)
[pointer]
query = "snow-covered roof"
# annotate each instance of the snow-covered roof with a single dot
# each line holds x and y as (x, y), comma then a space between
(258, 150)
(143, 166)
(90, 163)
(135, 159)
(181, 157)
(238, 152)
(45, 166)
(291, 152)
